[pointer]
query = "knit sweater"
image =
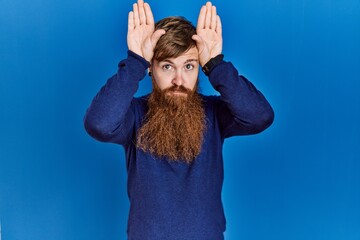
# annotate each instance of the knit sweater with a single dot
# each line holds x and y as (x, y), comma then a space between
(173, 200)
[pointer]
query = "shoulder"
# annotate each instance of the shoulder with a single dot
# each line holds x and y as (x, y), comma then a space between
(210, 103)
(210, 100)
(141, 100)
(140, 103)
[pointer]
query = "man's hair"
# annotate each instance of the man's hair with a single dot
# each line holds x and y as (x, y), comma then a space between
(177, 39)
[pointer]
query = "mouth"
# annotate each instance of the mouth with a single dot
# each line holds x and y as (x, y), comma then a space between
(177, 93)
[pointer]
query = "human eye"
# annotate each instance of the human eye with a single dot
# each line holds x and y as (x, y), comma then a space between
(189, 66)
(166, 67)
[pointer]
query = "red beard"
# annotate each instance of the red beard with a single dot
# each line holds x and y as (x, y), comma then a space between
(174, 124)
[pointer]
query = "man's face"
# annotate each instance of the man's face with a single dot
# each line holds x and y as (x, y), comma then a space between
(176, 73)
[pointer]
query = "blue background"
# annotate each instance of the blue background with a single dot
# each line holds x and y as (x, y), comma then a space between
(300, 179)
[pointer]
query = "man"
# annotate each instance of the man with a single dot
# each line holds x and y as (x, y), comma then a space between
(173, 137)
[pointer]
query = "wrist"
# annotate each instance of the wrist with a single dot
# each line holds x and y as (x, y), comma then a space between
(140, 58)
(212, 63)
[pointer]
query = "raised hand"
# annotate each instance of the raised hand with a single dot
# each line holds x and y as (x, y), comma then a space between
(208, 33)
(141, 38)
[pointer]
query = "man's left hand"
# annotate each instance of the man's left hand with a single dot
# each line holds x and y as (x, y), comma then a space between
(208, 35)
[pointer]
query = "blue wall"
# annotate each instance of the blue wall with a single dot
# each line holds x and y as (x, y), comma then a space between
(300, 179)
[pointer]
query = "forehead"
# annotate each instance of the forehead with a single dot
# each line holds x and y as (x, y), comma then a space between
(191, 54)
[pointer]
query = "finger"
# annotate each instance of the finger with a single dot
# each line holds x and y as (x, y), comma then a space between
(149, 15)
(141, 12)
(197, 38)
(208, 15)
(136, 15)
(213, 18)
(156, 36)
(131, 21)
(201, 18)
(199, 42)
(200, 45)
(218, 25)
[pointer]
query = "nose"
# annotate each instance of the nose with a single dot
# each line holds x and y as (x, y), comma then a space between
(178, 79)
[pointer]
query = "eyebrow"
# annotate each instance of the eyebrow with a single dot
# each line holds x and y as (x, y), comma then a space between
(187, 61)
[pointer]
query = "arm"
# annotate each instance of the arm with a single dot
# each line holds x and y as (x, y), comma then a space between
(242, 109)
(109, 117)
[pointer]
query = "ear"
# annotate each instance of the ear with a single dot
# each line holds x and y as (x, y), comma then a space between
(150, 70)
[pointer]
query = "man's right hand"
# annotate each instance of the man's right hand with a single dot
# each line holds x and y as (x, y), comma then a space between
(141, 38)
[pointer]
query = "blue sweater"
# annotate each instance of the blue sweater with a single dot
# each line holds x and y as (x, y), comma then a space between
(174, 200)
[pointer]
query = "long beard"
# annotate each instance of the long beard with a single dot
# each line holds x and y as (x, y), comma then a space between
(174, 125)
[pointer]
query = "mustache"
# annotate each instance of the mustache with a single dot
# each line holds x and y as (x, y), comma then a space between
(175, 88)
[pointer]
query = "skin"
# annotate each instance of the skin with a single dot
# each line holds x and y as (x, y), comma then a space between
(208, 35)
(180, 71)
(142, 39)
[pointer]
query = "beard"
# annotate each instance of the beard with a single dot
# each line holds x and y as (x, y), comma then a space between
(174, 124)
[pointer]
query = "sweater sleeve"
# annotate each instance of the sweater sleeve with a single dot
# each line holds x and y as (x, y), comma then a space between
(110, 117)
(242, 109)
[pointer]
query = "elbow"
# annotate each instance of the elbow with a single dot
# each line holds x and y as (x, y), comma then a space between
(263, 120)
(97, 130)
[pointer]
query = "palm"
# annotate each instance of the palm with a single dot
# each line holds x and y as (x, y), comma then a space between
(208, 34)
(212, 43)
(141, 38)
